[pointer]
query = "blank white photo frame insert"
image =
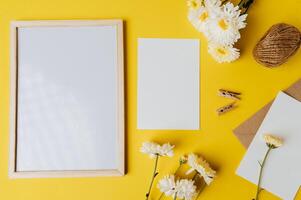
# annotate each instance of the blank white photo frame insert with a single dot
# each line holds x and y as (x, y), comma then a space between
(67, 99)
(168, 84)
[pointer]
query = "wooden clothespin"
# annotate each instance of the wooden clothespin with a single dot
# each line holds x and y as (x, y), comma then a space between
(226, 108)
(229, 94)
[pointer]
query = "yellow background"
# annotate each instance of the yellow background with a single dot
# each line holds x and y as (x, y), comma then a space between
(165, 19)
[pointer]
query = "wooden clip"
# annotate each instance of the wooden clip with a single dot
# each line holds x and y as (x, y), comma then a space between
(229, 94)
(226, 108)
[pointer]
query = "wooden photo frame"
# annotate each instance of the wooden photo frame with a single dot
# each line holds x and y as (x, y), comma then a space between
(67, 99)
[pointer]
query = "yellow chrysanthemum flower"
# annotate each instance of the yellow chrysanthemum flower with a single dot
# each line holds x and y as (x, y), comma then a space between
(202, 167)
(272, 141)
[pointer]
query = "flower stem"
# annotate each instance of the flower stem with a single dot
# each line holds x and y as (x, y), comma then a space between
(224, 1)
(155, 173)
(175, 197)
(195, 175)
(240, 3)
(260, 173)
(201, 189)
(177, 170)
(160, 197)
(245, 5)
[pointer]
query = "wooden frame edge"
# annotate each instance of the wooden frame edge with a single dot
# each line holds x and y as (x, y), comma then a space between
(13, 93)
(65, 174)
(65, 23)
(120, 170)
(121, 98)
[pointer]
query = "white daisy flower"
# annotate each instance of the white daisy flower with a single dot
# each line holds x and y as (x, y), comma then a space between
(223, 53)
(182, 188)
(166, 150)
(208, 179)
(154, 149)
(202, 167)
(193, 163)
(212, 4)
(149, 148)
(185, 189)
(225, 24)
(200, 17)
(194, 4)
(167, 185)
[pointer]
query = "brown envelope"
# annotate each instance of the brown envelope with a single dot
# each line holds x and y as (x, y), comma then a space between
(247, 130)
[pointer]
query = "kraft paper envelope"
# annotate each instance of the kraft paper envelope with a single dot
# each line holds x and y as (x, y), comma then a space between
(247, 130)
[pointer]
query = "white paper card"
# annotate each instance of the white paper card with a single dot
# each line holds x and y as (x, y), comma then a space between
(282, 174)
(168, 84)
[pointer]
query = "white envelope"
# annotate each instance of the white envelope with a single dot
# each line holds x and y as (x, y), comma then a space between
(282, 174)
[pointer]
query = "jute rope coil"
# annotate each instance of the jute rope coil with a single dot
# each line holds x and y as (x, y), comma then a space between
(279, 43)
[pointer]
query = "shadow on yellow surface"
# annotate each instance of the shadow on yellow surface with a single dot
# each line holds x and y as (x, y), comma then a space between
(214, 141)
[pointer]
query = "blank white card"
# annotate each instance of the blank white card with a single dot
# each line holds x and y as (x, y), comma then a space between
(168, 84)
(281, 174)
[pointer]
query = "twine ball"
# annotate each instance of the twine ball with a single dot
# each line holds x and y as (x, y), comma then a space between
(279, 43)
